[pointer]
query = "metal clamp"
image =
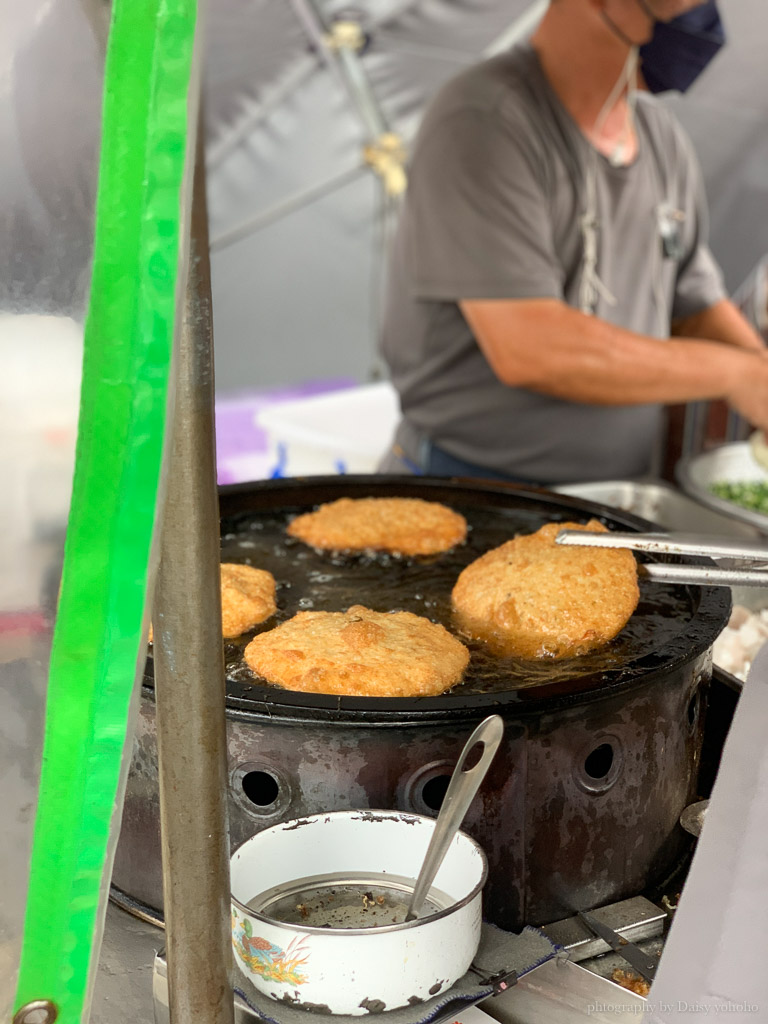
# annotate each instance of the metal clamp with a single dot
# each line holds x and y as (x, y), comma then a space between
(345, 35)
(387, 155)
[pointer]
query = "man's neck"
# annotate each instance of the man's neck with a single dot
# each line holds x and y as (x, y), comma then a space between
(583, 62)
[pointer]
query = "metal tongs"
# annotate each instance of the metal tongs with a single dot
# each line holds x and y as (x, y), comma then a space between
(740, 563)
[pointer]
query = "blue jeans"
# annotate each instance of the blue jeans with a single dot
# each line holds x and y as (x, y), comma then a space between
(434, 461)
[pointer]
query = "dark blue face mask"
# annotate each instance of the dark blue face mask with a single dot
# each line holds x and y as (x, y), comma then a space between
(681, 48)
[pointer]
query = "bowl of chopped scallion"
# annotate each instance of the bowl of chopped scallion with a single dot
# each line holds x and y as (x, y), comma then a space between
(728, 480)
(751, 494)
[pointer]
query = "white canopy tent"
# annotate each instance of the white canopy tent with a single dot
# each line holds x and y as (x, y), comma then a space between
(298, 220)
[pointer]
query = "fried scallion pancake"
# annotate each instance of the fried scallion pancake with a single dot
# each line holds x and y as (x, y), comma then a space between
(403, 526)
(533, 598)
(247, 599)
(359, 653)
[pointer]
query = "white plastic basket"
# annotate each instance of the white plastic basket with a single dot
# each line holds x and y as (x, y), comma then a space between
(342, 432)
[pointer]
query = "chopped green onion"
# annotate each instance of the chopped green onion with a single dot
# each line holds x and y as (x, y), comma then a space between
(751, 494)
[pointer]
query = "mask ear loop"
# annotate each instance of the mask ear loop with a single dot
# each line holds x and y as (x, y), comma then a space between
(657, 275)
(591, 287)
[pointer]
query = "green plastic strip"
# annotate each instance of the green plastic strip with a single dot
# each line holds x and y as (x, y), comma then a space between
(126, 365)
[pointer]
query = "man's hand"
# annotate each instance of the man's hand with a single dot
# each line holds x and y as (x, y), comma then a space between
(749, 397)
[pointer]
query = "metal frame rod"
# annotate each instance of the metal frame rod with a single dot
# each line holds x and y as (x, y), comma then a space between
(285, 207)
(189, 671)
(347, 64)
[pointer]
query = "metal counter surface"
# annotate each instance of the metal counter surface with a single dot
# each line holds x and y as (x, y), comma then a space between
(559, 992)
(123, 991)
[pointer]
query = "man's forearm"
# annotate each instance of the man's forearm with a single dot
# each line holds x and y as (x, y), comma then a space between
(723, 322)
(544, 345)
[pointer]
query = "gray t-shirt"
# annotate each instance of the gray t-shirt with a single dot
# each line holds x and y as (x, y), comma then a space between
(495, 196)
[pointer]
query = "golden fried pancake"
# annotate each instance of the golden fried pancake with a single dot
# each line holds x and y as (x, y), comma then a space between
(404, 526)
(247, 598)
(534, 598)
(360, 653)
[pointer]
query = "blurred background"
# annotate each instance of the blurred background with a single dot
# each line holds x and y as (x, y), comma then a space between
(310, 109)
(299, 220)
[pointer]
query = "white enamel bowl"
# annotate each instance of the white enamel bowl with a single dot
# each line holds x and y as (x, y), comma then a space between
(355, 970)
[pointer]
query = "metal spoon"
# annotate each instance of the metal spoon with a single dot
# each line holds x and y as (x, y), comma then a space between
(464, 783)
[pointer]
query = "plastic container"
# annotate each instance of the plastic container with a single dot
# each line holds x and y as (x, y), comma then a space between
(343, 432)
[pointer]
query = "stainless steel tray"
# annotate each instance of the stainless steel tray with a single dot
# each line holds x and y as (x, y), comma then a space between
(661, 503)
(729, 463)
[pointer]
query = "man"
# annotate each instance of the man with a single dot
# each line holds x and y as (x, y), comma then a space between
(553, 238)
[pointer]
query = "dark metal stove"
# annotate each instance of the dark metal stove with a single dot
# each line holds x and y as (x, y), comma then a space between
(600, 753)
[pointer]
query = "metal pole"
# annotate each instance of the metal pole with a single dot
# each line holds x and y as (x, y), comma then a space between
(189, 672)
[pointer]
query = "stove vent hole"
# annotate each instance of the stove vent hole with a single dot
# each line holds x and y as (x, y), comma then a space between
(261, 788)
(599, 762)
(433, 791)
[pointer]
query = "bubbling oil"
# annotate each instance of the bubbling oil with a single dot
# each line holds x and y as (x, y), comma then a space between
(310, 580)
